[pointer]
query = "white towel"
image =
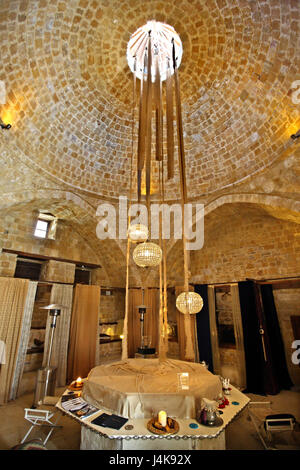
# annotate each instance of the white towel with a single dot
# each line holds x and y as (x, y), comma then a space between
(2, 352)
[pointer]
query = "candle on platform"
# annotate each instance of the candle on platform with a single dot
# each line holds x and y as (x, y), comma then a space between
(78, 382)
(162, 418)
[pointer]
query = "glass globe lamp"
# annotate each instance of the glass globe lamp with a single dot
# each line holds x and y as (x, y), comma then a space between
(137, 233)
(189, 302)
(147, 254)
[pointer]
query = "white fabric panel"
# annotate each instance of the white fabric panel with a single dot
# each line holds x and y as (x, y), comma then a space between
(25, 333)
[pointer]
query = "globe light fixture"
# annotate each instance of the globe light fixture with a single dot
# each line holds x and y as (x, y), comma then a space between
(189, 302)
(137, 233)
(147, 254)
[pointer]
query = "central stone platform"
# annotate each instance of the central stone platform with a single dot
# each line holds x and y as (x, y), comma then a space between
(139, 388)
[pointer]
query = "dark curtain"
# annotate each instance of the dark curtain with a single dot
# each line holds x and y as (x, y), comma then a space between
(203, 329)
(266, 369)
(279, 367)
(252, 339)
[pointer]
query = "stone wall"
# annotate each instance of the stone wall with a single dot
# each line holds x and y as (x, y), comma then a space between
(112, 307)
(58, 271)
(246, 244)
(17, 233)
(42, 298)
(7, 264)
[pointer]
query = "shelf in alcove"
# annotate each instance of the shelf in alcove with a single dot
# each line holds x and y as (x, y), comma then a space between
(35, 350)
(109, 340)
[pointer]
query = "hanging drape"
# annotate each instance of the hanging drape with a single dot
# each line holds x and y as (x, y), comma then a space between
(213, 329)
(239, 337)
(279, 368)
(61, 294)
(181, 334)
(254, 355)
(16, 303)
(84, 330)
(151, 319)
(266, 367)
(25, 333)
(203, 329)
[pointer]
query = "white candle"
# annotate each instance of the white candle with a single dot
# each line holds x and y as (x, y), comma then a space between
(162, 418)
(78, 382)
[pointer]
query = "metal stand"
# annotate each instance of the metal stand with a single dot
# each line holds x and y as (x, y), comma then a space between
(46, 376)
(144, 350)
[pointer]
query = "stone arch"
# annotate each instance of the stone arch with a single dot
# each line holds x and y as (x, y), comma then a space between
(274, 206)
(277, 206)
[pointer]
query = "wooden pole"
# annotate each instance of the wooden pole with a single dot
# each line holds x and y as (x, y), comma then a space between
(141, 134)
(165, 284)
(148, 128)
(125, 328)
(162, 352)
(170, 125)
(158, 112)
(190, 348)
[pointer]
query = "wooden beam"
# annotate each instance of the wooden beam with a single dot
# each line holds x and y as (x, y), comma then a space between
(280, 283)
(277, 283)
(47, 258)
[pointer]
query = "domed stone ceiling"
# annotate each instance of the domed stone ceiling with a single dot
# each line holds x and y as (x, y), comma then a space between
(69, 88)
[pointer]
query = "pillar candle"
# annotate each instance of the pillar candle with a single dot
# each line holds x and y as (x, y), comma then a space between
(78, 382)
(162, 418)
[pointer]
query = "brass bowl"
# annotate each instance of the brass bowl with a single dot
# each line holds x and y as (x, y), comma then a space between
(173, 429)
(75, 388)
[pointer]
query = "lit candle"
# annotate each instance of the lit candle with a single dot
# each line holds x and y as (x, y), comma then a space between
(162, 418)
(78, 382)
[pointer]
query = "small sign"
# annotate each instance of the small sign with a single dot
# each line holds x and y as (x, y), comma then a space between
(183, 381)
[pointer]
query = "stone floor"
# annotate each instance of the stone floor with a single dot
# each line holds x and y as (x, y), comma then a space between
(240, 434)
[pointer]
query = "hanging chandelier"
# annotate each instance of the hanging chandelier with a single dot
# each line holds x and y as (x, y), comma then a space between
(147, 254)
(154, 53)
(189, 302)
(137, 233)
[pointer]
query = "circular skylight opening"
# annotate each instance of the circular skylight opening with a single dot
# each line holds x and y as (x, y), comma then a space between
(162, 36)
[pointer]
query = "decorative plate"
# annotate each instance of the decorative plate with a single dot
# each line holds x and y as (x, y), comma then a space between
(171, 428)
